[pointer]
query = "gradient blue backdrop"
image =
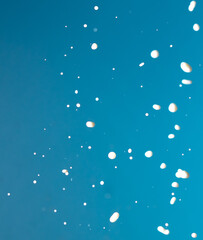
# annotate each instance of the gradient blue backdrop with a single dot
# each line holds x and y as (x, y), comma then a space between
(33, 96)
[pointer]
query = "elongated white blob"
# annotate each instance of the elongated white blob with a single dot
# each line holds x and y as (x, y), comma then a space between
(148, 154)
(114, 217)
(112, 155)
(171, 136)
(182, 174)
(186, 82)
(90, 124)
(196, 27)
(65, 171)
(172, 107)
(175, 185)
(173, 199)
(141, 64)
(156, 107)
(163, 230)
(155, 54)
(186, 67)
(192, 6)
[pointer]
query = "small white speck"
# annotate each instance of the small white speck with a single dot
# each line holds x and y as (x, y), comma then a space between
(61, 73)
(65, 223)
(8, 194)
(35, 153)
(96, 99)
(102, 183)
(55, 210)
(96, 8)
(89, 147)
(93, 186)
(68, 106)
(76, 91)
(34, 181)
(69, 137)
(85, 25)
(78, 105)
(146, 114)
(85, 204)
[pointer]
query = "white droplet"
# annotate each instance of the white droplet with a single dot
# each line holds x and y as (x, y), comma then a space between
(141, 64)
(163, 166)
(172, 107)
(146, 114)
(85, 25)
(186, 67)
(156, 107)
(8, 194)
(186, 82)
(94, 46)
(155, 54)
(182, 174)
(192, 6)
(177, 127)
(112, 155)
(85, 204)
(196, 27)
(61, 73)
(55, 210)
(114, 217)
(34, 181)
(171, 136)
(102, 183)
(148, 154)
(130, 150)
(194, 235)
(175, 185)
(163, 230)
(78, 105)
(65, 223)
(76, 91)
(96, 99)
(90, 124)
(96, 8)
(173, 199)
(166, 224)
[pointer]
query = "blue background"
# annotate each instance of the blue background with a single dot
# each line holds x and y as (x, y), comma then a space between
(33, 96)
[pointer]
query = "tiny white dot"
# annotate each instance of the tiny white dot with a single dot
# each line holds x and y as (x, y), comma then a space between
(85, 204)
(61, 73)
(34, 181)
(85, 25)
(96, 8)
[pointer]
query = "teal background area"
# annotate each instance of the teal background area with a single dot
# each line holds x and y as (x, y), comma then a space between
(33, 96)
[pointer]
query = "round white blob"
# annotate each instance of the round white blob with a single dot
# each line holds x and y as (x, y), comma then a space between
(192, 6)
(114, 217)
(171, 136)
(194, 235)
(177, 127)
(156, 107)
(196, 27)
(163, 166)
(172, 107)
(186, 67)
(112, 155)
(148, 154)
(186, 82)
(130, 150)
(102, 183)
(94, 46)
(155, 54)
(173, 199)
(90, 124)
(85, 25)
(175, 185)
(96, 8)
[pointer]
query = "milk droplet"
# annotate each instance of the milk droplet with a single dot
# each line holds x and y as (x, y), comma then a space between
(129, 150)
(171, 136)
(112, 155)
(182, 174)
(194, 235)
(155, 54)
(173, 199)
(177, 127)
(196, 27)
(175, 185)
(94, 46)
(148, 154)
(163, 230)
(114, 217)
(90, 124)
(65, 171)
(96, 8)
(186, 82)
(163, 166)
(172, 107)
(101, 183)
(141, 64)
(192, 6)
(156, 107)
(186, 67)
